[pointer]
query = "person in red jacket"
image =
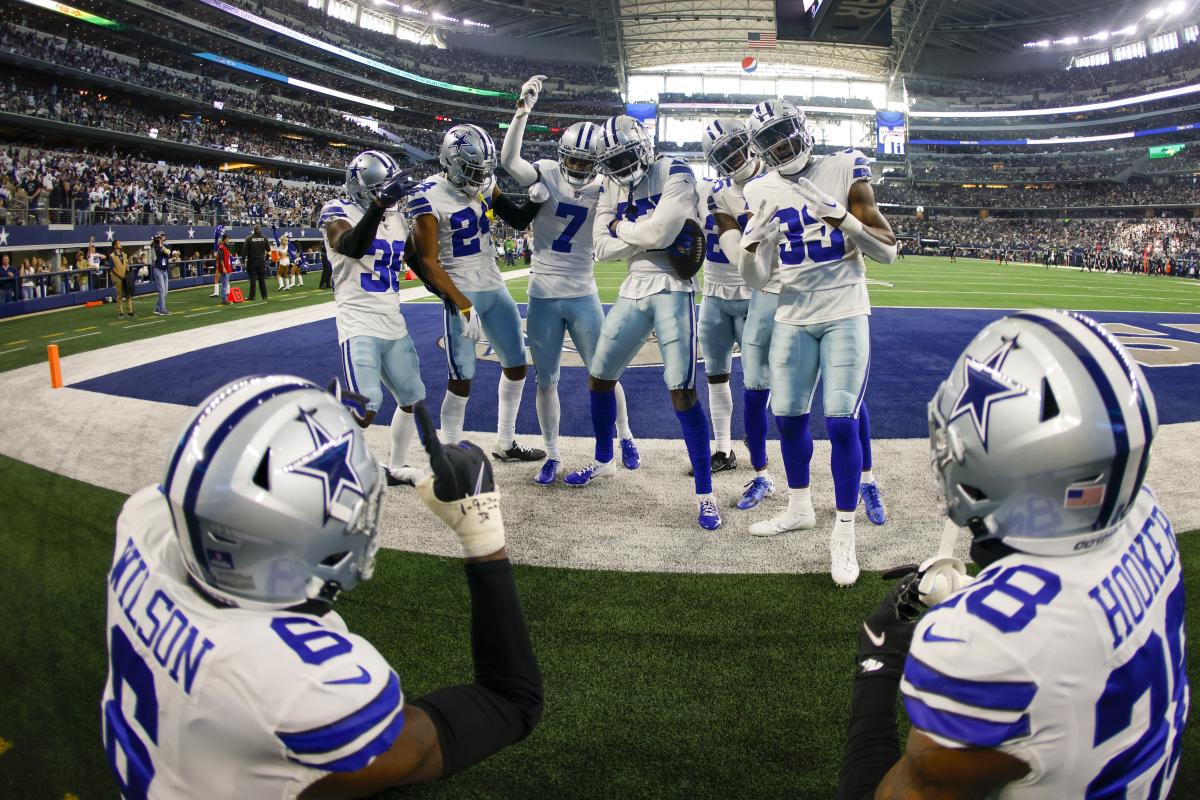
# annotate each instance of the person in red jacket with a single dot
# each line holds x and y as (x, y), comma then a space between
(224, 267)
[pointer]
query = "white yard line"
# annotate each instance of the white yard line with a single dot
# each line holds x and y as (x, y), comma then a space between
(202, 313)
(69, 338)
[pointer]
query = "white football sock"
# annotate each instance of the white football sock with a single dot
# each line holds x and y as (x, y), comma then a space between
(403, 430)
(867, 477)
(623, 431)
(800, 500)
(845, 518)
(700, 498)
(454, 409)
(720, 406)
(763, 473)
(506, 417)
(548, 413)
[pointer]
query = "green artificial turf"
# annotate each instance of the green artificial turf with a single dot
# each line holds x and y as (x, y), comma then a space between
(657, 686)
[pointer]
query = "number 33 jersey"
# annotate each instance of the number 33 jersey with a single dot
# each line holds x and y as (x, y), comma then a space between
(465, 245)
(821, 272)
(365, 290)
(207, 701)
(1074, 665)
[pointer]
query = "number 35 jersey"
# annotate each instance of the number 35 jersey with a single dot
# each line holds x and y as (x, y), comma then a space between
(1074, 665)
(206, 701)
(821, 272)
(365, 289)
(465, 245)
(561, 265)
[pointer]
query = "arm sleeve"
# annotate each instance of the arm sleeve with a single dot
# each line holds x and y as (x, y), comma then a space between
(605, 246)
(510, 152)
(518, 216)
(660, 228)
(355, 242)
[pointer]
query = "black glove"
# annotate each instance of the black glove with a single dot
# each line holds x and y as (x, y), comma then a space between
(886, 636)
(396, 187)
(687, 251)
(459, 470)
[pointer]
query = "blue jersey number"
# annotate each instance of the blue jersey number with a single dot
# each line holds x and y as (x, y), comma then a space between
(797, 251)
(129, 672)
(712, 242)
(389, 266)
(1157, 668)
(575, 216)
(309, 639)
(466, 231)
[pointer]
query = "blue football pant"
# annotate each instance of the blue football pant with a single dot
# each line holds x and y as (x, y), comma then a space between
(369, 363)
(756, 340)
(671, 315)
(501, 326)
(721, 324)
(549, 319)
(838, 354)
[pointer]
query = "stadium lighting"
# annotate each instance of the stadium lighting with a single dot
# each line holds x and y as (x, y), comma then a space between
(1042, 112)
(1175, 7)
(1154, 13)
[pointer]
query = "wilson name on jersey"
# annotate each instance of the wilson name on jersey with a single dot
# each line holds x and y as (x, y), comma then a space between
(465, 245)
(561, 265)
(1074, 665)
(722, 277)
(821, 272)
(365, 290)
(207, 701)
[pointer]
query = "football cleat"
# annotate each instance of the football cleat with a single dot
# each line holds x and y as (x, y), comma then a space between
(721, 462)
(549, 472)
(582, 477)
(843, 562)
(754, 492)
(787, 521)
(873, 503)
(710, 517)
(404, 476)
(517, 453)
(630, 457)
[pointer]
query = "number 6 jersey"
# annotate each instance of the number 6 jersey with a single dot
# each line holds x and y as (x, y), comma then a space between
(1072, 664)
(365, 289)
(206, 701)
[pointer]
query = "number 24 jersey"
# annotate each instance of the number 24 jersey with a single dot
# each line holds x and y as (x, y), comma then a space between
(465, 245)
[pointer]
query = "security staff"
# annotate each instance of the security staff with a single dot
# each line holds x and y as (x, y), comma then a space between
(254, 253)
(159, 271)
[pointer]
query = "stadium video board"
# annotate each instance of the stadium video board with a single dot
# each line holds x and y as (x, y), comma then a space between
(1165, 150)
(647, 114)
(862, 22)
(890, 133)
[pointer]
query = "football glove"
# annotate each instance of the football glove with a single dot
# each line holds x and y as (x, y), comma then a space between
(939, 577)
(461, 491)
(687, 251)
(472, 327)
(820, 203)
(529, 93)
(538, 193)
(399, 185)
(886, 636)
(763, 229)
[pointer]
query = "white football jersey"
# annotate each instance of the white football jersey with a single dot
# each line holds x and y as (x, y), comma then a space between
(1074, 665)
(667, 180)
(465, 245)
(821, 272)
(561, 265)
(365, 290)
(722, 278)
(206, 701)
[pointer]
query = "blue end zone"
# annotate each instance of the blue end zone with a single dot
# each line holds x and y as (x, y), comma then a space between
(912, 351)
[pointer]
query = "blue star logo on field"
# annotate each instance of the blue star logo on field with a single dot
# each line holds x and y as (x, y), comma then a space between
(984, 385)
(329, 462)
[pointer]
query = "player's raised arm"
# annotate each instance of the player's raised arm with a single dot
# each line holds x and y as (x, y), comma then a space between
(356, 241)
(659, 227)
(862, 221)
(517, 216)
(605, 244)
(510, 151)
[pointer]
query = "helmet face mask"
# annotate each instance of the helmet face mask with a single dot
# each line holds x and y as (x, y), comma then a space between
(468, 156)
(577, 158)
(784, 143)
(728, 150)
(623, 165)
(626, 150)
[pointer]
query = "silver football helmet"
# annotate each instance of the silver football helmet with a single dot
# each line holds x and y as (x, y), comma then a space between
(726, 146)
(579, 153)
(274, 495)
(779, 136)
(626, 150)
(1040, 436)
(469, 157)
(366, 173)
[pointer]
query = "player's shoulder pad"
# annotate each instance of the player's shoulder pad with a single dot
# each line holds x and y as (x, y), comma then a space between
(680, 167)
(421, 200)
(857, 162)
(545, 164)
(334, 209)
(344, 703)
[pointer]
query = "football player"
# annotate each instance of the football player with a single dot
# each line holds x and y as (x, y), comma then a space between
(364, 236)
(646, 211)
(453, 237)
(230, 674)
(562, 285)
(812, 221)
(1060, 671)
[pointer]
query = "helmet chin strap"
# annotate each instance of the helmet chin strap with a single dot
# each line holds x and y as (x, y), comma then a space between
(792, 169)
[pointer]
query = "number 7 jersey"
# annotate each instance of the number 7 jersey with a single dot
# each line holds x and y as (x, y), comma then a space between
(365, 289)
(1073, 664)
(562, 264)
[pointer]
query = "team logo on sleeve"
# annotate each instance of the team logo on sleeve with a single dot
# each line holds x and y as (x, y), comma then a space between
(984, 385)
(329, 462)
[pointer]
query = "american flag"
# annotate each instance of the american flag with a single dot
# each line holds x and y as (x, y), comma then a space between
(760, 40)
(1079, 496)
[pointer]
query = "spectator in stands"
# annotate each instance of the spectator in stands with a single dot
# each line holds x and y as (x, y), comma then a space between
(160, 271)
(9, 279)
(78, 280)
(224, 267)
(254, 253)
(29, 289)
(122, 278)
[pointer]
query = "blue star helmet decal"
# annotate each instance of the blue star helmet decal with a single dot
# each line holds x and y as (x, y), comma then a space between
(354, 170)
(460, 143)
(984, 385)
(329, 462)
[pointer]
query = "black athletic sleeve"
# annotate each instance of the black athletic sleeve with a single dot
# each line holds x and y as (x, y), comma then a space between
(518, 216)
(504, 703)
(355, 242)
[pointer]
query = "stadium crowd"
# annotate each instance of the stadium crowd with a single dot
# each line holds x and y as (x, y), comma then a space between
(1180, 192)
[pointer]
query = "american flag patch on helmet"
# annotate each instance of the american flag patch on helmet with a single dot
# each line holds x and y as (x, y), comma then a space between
(1084, 495)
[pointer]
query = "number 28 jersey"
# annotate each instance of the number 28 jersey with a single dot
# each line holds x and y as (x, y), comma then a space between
(365, 290)
(206, 701)
(465, 245)
(1074, 665)
(561, 265)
